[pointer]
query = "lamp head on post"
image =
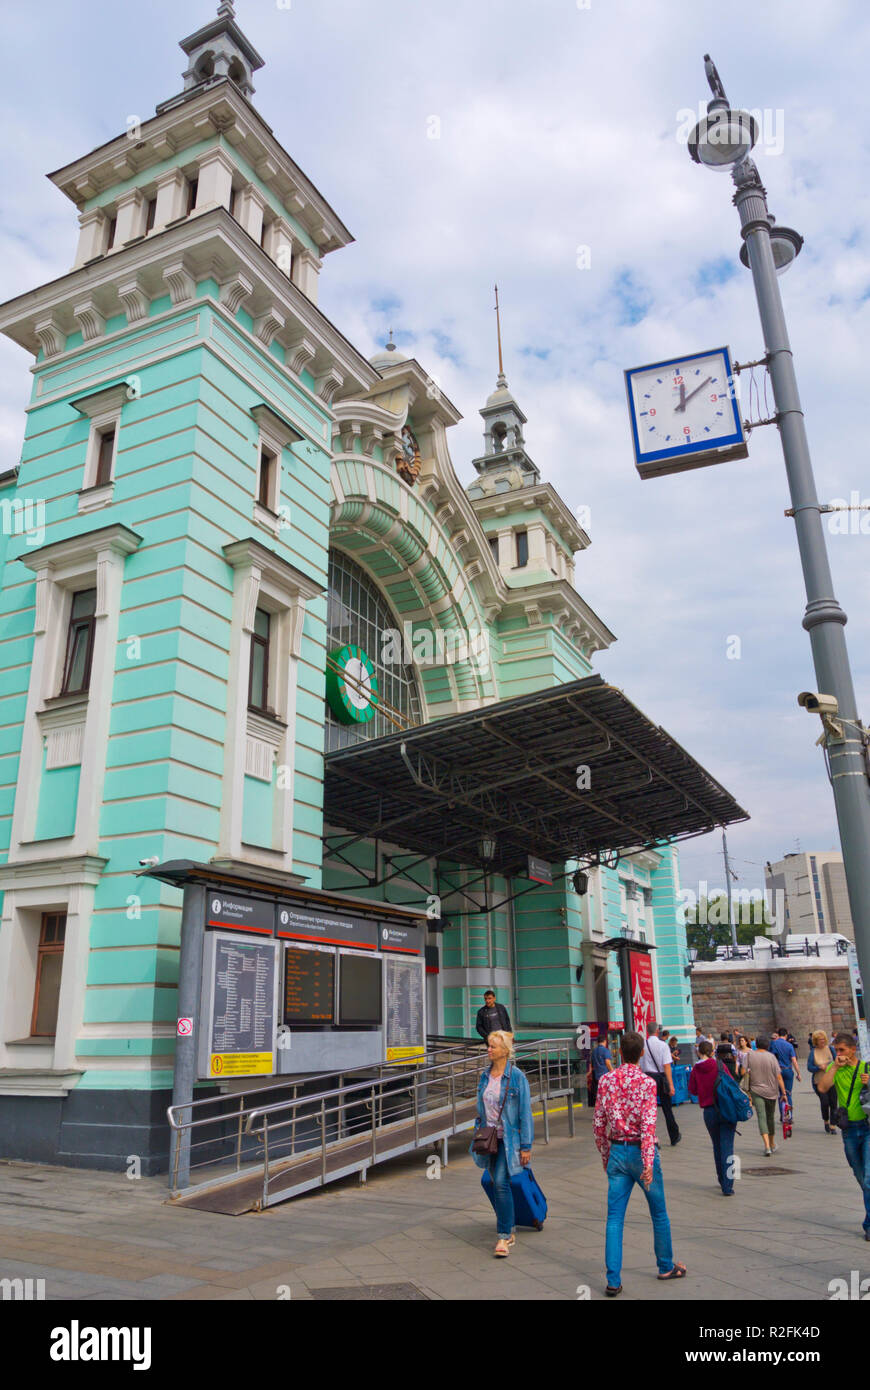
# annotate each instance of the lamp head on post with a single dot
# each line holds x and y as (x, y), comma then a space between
(723, 137)
(785, 243)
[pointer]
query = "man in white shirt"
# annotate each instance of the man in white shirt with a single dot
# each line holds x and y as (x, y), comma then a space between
(656, 1062)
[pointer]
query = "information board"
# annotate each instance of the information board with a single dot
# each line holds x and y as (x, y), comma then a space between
(408, 939)
(240, 913)
(406, 1038)
(309, 986)
(337, 929)
(239, 998)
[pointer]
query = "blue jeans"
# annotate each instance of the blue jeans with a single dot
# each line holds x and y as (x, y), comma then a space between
(624, 1168)
(502, 1192)
(856, 1142)
(788, 1082)
(722, 1137)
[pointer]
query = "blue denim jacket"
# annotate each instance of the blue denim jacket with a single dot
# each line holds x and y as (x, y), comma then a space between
(519, 1127)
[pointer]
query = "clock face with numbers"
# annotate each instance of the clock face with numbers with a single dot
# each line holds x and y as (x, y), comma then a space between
(684, 413)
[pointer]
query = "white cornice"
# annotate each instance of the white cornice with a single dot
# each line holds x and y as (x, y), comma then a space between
(249, 553)
(118, 539)
(210, 246)
(59, 870)
(541, 495)
(221, 110)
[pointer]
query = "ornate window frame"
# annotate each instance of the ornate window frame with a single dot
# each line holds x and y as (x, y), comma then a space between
(255, 741)
(73, 729)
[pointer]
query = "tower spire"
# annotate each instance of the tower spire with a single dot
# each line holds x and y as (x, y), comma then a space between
(226, 10)
(502, 381)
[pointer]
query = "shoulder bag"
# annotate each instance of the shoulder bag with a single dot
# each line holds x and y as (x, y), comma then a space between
(485, 1139)
(841, 1113)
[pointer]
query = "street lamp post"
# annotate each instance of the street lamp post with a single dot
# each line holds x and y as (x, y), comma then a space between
(723, 139)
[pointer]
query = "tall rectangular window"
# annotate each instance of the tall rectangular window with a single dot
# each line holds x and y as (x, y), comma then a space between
(113, 225)
(493, 545)
(258, 682)
(522, 548)
(49, 965)
(150, 215)
(105, 454)
(192, 190)
(266, 485)
(79, 643)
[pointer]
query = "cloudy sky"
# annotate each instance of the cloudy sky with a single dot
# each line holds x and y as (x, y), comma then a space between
(541, 143)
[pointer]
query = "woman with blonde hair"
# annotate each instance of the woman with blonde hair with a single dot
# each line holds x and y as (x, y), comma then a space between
(503, 1131)
(820, 1057)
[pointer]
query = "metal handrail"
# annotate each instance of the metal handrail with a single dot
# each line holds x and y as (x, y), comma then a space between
(329, 1116)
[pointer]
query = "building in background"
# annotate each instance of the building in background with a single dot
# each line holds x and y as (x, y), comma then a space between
(815, 893)
(243, 596)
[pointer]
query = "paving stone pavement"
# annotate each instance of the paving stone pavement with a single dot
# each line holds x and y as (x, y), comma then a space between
(100, 1236)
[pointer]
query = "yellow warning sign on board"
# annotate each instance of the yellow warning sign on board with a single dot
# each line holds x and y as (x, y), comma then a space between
(241, 1064)
(405, 1054)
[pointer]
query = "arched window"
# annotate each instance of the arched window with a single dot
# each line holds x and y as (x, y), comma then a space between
(359, 616)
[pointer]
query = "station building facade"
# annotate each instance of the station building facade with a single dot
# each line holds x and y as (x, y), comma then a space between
(228, 528)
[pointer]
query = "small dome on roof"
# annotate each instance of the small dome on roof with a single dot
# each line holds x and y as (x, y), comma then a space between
(501, 395)
(388, 356)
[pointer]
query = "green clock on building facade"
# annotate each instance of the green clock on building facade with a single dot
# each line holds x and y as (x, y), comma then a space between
(351, 686)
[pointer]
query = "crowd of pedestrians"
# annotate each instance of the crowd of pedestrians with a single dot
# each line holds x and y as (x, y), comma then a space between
(628, 1086)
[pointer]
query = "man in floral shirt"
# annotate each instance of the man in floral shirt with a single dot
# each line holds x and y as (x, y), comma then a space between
(625, 1132)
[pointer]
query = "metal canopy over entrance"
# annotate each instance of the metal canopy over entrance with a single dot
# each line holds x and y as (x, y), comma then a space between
(509, 771)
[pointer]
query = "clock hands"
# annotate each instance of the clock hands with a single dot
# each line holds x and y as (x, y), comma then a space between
(684, 399)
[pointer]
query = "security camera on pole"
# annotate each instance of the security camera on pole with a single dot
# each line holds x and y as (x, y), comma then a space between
(723, 140)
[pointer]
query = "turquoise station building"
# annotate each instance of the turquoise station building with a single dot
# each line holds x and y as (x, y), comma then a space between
(236, 557)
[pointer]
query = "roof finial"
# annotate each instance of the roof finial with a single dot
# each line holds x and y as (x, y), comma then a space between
(226, 10)
(501, 376)
(391, 346)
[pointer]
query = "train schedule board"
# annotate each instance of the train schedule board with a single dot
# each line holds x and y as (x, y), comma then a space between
(239, 1006)
(309, 986)
(405, 1017)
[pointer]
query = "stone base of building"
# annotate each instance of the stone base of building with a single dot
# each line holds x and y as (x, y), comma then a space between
(88, 1129)
(756, 998)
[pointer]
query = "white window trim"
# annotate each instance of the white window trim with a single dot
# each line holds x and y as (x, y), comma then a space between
(95, 560)
(27, 895)
(274, 434)
(262, 580)
(103, 409)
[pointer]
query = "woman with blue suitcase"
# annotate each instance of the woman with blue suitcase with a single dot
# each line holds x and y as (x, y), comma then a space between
(503, 1133)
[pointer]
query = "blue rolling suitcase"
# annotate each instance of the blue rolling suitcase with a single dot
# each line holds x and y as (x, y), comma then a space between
(530, 1204)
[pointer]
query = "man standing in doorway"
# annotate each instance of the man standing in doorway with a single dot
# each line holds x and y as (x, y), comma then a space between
(656, 1063)
(492, 1017)
(848, 1075)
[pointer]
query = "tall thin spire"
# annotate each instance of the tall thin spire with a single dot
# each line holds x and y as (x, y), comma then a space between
(501, 376)
(226, 10)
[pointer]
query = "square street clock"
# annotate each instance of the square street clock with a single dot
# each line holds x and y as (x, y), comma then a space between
(684, 413)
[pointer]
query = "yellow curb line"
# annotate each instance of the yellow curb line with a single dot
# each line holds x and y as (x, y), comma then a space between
(560, 1110)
